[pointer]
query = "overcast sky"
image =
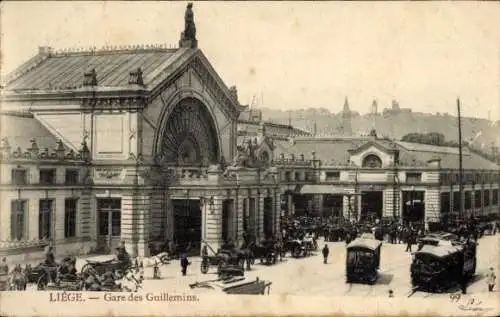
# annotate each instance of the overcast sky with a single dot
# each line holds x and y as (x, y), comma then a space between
(295, 54)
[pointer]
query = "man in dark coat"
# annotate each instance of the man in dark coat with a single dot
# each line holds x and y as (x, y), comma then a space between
(184, 264)
(325, 251)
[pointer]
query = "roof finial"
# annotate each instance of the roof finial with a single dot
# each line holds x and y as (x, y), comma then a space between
(188, 37)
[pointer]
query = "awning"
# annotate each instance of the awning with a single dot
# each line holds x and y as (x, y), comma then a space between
(322, 189)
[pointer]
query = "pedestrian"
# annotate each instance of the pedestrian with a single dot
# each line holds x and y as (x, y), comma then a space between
(184, 264)
(391, 293)
(326, 251)
(490, 279)
(408, 241)
(4, 267)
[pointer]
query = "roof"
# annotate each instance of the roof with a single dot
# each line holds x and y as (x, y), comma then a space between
(65, 70)
(438, 251)
(329, 150)
(335, 151)
(19, 129)
(371, 244)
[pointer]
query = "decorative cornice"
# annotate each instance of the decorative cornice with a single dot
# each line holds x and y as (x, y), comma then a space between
(36, 154)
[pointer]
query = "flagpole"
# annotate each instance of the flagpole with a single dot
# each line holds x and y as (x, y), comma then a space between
(460, 162)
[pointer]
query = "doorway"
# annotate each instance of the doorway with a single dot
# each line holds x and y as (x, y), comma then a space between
(109, 224)
(372, 205)
(413, 207)
(268, 217)
(333, 205)
(187, 225)
(227, 223)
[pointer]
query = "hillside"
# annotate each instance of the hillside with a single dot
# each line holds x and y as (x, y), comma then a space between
(394, 125)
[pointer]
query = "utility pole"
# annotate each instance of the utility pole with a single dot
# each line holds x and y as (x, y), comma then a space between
(460, 165)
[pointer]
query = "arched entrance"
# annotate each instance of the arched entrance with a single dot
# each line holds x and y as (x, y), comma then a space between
(189, 137)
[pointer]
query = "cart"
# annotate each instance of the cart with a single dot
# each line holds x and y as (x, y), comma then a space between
(256, 287)
(119, 268)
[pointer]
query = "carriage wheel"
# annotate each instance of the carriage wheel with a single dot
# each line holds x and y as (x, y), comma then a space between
(241, 263)
(204, 267)
(42, 282)
(86, 268)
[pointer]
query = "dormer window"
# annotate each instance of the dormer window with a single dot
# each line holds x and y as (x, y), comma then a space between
(372, 161)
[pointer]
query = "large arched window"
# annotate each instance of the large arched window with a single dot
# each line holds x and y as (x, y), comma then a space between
(372, 161)
(190, 136)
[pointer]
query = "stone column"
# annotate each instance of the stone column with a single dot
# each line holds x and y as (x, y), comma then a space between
(277, 210)
(127, 222)
(212, 220)
(84, 216)
(432, 204)
(239, 219)
(143, 223)
(260, 213)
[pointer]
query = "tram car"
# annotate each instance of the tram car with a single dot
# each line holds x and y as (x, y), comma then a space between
(442, 261)
(363, 259)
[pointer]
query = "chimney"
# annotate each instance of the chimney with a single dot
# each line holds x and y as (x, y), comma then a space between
(136, 77)
(90, 78)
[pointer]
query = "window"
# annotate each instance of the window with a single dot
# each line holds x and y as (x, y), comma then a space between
(445, 202)
(47, 176)
(477, 199)
(306, 176)
(486, 198)
(109, 211)
(45, 219)
(70, 217)
(372, 161)
(18, 176)
(413, 177)
(71, 177)
(468, 200)
(18, 219)
(288, 176)
(332, 176)
(297, 176)
(495, 197)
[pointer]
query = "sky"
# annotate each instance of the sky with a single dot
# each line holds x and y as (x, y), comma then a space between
(293, 55)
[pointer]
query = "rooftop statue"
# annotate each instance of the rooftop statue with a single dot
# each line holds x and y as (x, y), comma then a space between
(189, 26)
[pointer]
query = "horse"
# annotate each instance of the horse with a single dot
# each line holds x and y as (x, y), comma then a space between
(18, 280)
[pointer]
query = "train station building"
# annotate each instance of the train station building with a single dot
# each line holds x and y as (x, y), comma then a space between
(147, 143)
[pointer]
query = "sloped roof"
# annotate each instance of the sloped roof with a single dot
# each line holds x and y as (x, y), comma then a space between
(19, 129)
(422, 153)
(334, 151)
(66, 70)
(329, 150)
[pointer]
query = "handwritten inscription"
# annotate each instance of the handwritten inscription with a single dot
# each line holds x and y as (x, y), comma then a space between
(468, 303)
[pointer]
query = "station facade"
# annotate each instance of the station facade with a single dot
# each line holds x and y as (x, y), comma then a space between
(141, 144)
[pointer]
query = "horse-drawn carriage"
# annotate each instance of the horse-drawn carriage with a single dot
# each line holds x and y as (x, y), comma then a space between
(363, 259)
(228, 261)
(442, 261)
(119, 268)
(268, 251)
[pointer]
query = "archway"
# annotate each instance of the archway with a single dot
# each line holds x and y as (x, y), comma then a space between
(189, 136)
